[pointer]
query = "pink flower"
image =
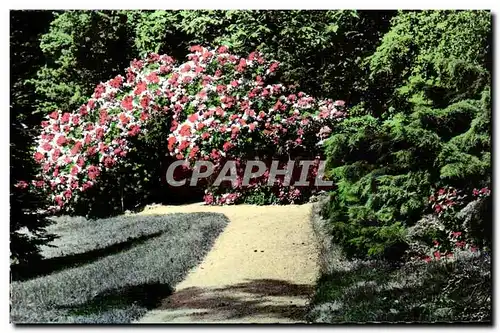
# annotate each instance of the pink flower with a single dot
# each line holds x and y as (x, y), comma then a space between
(116, 82)
(152, 77)
(171, 142)
(109, 161)
(74, 170)
(192, 118)
(65, 118)
(186, 68)
(93, 172)
(55, 154)
(124, 119)
(185, 130)
(485, 191)
(76, 148)
(99, 90)
(222, 49)
(99, 133)
(145, 102)
(274, 66)
(127, 103)
(21, 184)
(193, 152)
(227, 146)
(196, 48)
(438, 208)
(86, 186)
(75, 120)
(39, 157)
(59, 201)
(91, 150)
(184, 144)
(61, 140)
(39, 183)
(54, 115)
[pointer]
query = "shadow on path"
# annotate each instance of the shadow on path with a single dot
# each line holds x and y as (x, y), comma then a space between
(263, 298)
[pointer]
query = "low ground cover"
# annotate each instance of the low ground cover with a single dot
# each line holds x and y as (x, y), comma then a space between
(117, 269)
(353, 290)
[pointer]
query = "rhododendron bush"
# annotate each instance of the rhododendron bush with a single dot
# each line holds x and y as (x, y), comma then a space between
(220, 106)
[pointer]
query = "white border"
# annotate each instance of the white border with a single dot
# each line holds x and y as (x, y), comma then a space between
(255, 4)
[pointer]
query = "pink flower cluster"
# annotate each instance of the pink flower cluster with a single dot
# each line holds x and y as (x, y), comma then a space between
(455, 240)
(444, 202)
(284, 192)
(74, 148)
(219, 104)
(484, 192)
(445, 199)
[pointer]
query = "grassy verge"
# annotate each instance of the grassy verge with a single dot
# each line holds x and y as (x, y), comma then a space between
(116, 270)
(355, 291)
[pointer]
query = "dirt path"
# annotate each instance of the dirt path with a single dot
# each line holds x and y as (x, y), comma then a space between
(261, 269)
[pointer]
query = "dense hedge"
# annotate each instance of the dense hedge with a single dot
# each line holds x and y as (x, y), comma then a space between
(387, 169)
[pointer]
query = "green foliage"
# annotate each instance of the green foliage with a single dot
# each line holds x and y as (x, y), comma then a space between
(81, 48)
(385, 170)
(261, 196)
(430, 125)
(432, 58)
(320, 50)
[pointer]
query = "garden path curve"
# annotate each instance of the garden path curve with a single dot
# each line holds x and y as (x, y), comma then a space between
(261, 269)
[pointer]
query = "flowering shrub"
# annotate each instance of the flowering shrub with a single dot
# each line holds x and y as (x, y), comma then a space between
(450, 238)
(484, 192)
(453, 245)
(219, 105)
(445, 200)
(258, 187)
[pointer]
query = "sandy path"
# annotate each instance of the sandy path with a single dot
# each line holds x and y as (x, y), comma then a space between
(261, 269)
